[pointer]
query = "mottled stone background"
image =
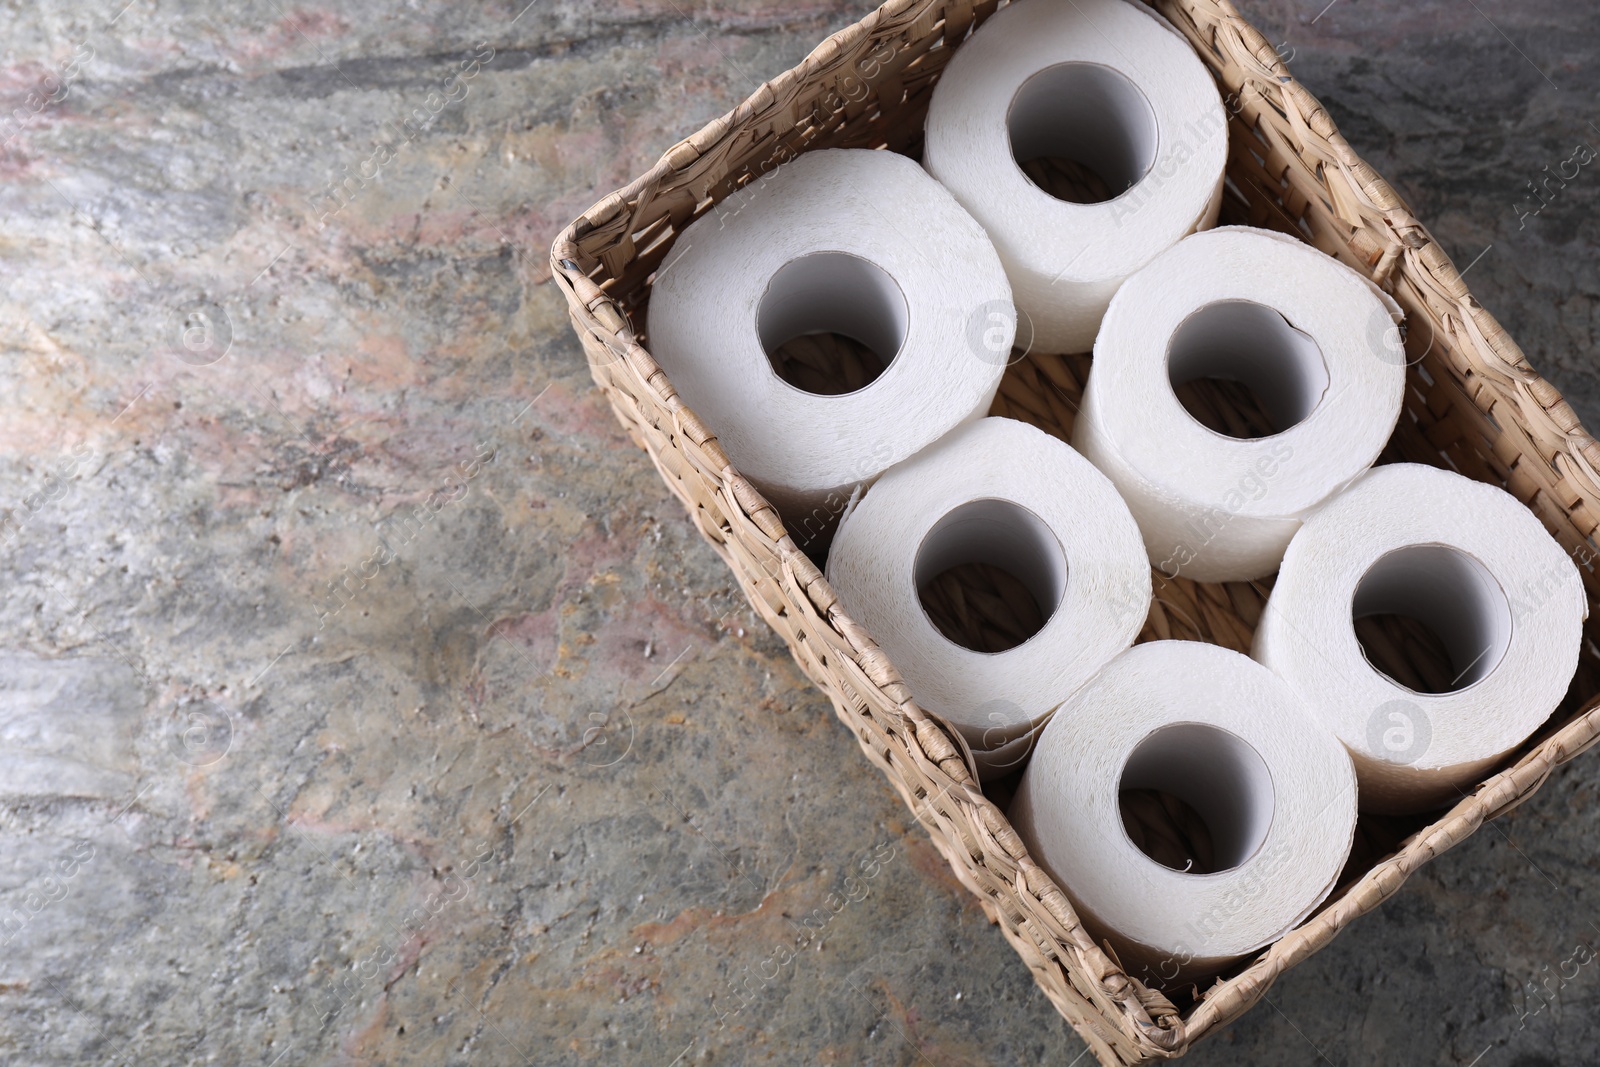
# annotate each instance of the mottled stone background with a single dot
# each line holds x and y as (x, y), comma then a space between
(542, 792)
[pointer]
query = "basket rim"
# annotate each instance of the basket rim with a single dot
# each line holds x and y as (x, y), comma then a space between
(1148, 1018)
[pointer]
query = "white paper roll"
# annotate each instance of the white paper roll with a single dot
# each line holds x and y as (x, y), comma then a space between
(859, 243)
(1106, 84)
(1219, 732)
(1474, 566)
(1314, 341)
(1003, 493)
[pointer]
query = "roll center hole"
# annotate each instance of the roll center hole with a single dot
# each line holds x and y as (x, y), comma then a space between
(1240, 369)
(1196, 798)
(990, 574)
(831, 322)
(1431, 618)
(1082, 132)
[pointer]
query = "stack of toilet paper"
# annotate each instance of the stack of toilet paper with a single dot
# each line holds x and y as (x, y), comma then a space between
(844, 323)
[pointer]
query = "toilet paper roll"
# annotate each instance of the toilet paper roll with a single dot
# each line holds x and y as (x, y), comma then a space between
(1102, 84)
(859, 243)
(1473, 566)
(1298, 328)
(1003, 493)
(1272, 787)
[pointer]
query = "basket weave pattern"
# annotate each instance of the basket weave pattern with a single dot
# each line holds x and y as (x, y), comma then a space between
(1473, 404)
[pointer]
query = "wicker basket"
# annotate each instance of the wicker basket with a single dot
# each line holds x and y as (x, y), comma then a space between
(1473, 404)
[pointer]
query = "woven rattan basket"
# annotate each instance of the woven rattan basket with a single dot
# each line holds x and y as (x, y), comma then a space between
(1473, 404)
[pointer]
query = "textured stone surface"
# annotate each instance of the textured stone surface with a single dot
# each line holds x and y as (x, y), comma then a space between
(541, 791)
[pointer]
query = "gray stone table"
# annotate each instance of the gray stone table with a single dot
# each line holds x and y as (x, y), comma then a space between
(536, 788)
